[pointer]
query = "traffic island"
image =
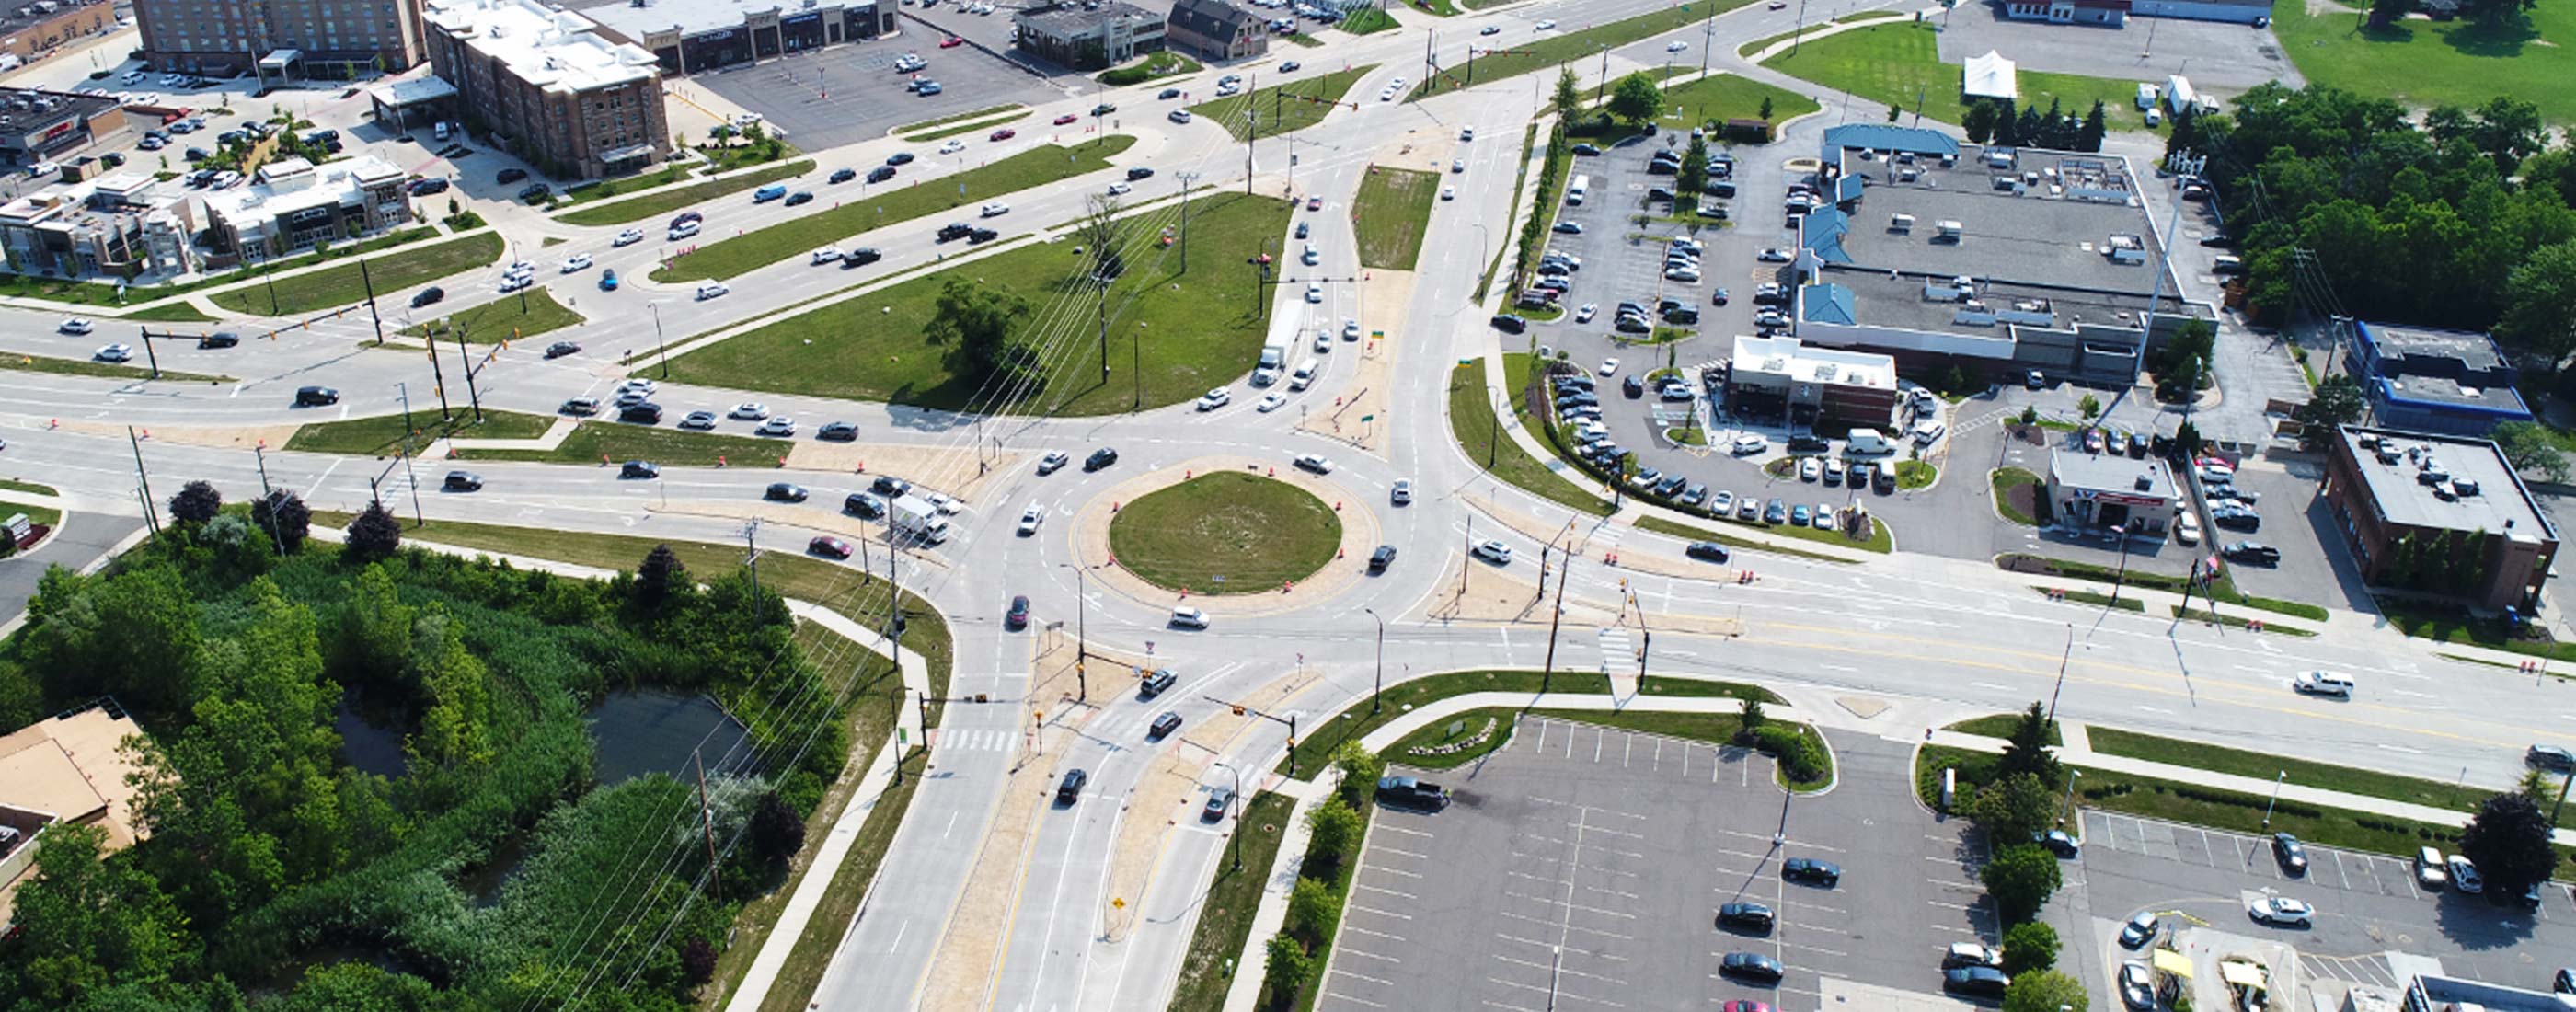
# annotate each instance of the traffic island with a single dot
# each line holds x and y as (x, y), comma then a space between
(1280, 537)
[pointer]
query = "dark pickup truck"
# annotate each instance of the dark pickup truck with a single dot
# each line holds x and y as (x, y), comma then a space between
(1411, 793)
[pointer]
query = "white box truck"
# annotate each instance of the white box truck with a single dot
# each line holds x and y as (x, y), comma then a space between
(916, 518)
(2179, 95)
(2147, 96)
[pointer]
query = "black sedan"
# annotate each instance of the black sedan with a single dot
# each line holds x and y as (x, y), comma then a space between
(2292, 854)
(899, 158)
(427, 296)
(1810, 871)
(1752, 917)
(1706, 551)
(1752, 966)
(219, 339)
(1100, 458)
(1018, 616)
(839, 432)
(560, 349)
(639, 469)
(843, 175)
(880, 173)
(2253, 552)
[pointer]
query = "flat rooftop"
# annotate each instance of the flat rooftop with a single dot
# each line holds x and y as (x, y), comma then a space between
(23, 16)
(2049, 219)
(2406, 349)
(23, 109)
(2111, 472)
(688, 17)
(1075, 20)
(554, 49)
(1880, 299)
(1785, 356)
(2448, 391)
(2499, 504)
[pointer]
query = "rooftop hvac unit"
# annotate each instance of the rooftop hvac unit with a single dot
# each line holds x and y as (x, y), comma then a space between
(2369, 442)
(2463, 486)
(1900, 223)
(2387, 456)
(2146, 482)
(1950, 230)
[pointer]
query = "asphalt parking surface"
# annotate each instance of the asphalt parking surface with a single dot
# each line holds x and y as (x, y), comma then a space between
(2211, 53)
(2366, 904)
(1596, 859)
(2316, 565)
(842, 95)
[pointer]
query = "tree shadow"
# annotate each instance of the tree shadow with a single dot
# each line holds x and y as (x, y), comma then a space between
(2477, 924)
(2505, 39)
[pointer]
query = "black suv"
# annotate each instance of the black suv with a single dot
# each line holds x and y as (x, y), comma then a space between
(863, 506)
(860, 257)
(641, 413)
(955, 230)
(427, 296)
(839, 432)
(1509, 324)
(1382, 558)
(639, 469)
(889, 485)
(511, 175)
(1100, 458)
(1156, 684)
(219, 339)
(463, 481)
(1411, 793)
(1809, 444)
(314, 397)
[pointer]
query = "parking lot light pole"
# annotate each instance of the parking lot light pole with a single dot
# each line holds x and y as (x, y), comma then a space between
(2276, 798)
(2069, 811)
(1236, 800)
(2121, 533)
(1378, 689)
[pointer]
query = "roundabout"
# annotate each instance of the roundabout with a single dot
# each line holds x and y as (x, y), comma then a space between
(1224, 533)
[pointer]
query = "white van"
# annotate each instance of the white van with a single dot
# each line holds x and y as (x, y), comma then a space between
(1866, 443)
(1304, 376)
(2323, 683)
(683, 230)
(1574, 193)
(441, 131)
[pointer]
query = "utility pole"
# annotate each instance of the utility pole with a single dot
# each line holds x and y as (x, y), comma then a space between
(1378, 686)
(1081, 631)
(416, 519)
(661, 348)
(1187, 179)
(2062, 661)
(1104, 336)
(1598, 87)
(468, 363)
(404, 390)
(143, 478)
(1800, 38)
(751, 549)
(707, 816)
(149, 355)
(1555, 616)
(259, 453)
(1707, 35)
(370, 282)
(438, 378)
(2276, 797)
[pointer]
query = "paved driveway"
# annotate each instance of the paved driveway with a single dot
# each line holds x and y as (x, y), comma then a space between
(2212, 54)
(82, 539)
(827, 98)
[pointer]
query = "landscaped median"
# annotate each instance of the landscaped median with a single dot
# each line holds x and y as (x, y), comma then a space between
(524, 314)
(1478, 429)
(1391, 213)
(1225, 916)
(864, 211)
(659, 203)
(91, 367)
(377, 435)
(1225, 532)
(348, 283)
(1282, 108)
(2222, 589)
(907, 130)
(1558, 49)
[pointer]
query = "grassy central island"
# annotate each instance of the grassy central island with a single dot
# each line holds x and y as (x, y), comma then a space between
(1225, 533)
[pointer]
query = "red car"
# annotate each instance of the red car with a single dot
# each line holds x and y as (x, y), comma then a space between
(829, 547)
(1744, 1005)
(951, 42)
(1064, 119)
(1003, 135)
(1314, 203)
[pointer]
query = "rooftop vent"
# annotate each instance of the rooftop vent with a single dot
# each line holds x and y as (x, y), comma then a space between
(2463, 486)
(2146, 482)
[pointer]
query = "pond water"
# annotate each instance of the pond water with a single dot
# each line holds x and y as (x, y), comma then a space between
(369, 741)
(642, 731)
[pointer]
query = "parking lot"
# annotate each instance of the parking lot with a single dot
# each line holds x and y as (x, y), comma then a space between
(846, 94)
(2212, 53)
(2366, 904)
(1582, 867)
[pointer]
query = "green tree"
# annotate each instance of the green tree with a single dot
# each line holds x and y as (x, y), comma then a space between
(456, 721)
(2538, 786)
(1636, 99)
(1978, 119)
(1336, 828)
(2540, 303)
(1765, 111)
(2384, 13)
(90, 921)
(375, 629)
(2020, 877)
(776, 833)
(2029, 947)
(1692, 180)
(373, 535)
(2012, 809)
(1955, 381)
(1098, 231)
(132, 635)
(660, 578)
(2046, 991)
(1361, 769)
(1285, 968)
(285, 517)
(2336, 401)
(2096, 126)
(2531, 450)
(2029, 415)
(2089, 406)
(974, 323)
(2026, 750)
(2508, 839)
(1569, 94)
(2007, 125)
(1754, 718)
(196, 503)
(1894, 111)
(1313, 909)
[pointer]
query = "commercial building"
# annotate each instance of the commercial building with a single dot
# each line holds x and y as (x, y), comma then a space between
(294, 205)
(68, 770)
(1216, 30)
(2432, 380)
(2114, 13)
(2451, 994)
(41, 126)
(1090, 35)
(1994, 261)
(293, 37)
(127, 225)
(32, 30)
(2243, 12)
(1828, 388)
(690, 36)
(542, 81)
(2438, 514)
(2098, 491)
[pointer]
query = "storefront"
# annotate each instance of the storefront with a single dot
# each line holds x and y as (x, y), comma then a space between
(2099, 491)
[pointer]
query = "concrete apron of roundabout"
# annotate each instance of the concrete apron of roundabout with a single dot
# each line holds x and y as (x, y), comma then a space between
(1359, 537)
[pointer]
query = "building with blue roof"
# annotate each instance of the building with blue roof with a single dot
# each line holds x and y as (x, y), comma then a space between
(2454, 382)
(1887, 138)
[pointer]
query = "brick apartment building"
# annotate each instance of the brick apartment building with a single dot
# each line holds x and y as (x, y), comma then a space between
(230, 37)
(545, 82)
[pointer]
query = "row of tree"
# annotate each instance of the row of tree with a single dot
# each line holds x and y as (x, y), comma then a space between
(2001, 123)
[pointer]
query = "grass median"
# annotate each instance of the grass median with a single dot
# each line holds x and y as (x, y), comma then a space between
(1225, 913)
(1660, 525)
(107, 370)
(1898, 64)
(2261, 766)
(1282, 108)
(514, 317)
(1038, 166)
(2223, 589)
(594, 441)
(382, 434)
(1227, 532)
(2017, 495)
(345, 284)
(1558, 49)
(1175, 329)
(1391, 213)
(968, 127)
(657, 204)
(1315, 743)
(952, 120)
(1478, 429)
(176, 312)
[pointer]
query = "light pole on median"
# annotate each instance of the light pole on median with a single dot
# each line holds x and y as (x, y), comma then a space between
(2069, 810)
(2276, 798)
(660, 349)
(1237, 799)
(1081, 626)
(1377, 690)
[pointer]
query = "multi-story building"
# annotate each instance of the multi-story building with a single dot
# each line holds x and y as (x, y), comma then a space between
(36, 126)
(32, 30)
(127, 225)
(294, 206)
(1216, 30)
(2453, 381)
(1089, 35)
(230, 37)
(571, 101)
(2441, 515)
(689, 36)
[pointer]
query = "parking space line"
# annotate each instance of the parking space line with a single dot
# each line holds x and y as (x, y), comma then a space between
(1566, 970)
(1512, 1008)
(1358, 909)
(1814, 949)
(1405, 831)
(1570, 927)
(1348, 998)
(1397, 871)
(1390, 892)
(1348, 951)
(2341, 871)
(1361, 976)
(1384, 849)
(1630, 749)
(1571, 905)
(1559, 994)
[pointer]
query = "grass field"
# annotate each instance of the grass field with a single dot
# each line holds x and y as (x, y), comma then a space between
(1368, 21)
(1306, 40)
(2321, 776)
(590, 442)
(1478, 430)
(1225, 913)
(1897, 64)
(1557, 49)
(2428, 63)
(111, 370)
(1190, 329)
(381, 434)
(508, 318)
(968, 127)
(664, 202)
(1037, 166)
(1721, 97)
(176, 312)
(963, 117)
(1391, 213)
(2000, 725)
(1318, 742)
(1226, 532)
(1282, 108)
(1915, 474)
(341, 285)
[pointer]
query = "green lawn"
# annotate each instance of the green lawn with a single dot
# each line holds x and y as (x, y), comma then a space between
(963, 117)
(666, 201)
(1660, 525)
(2450, 625)
(2005, 480)
(1915, 474)
(104, 294)
(1368, 21)
(2429, 63)
(1037, 166)
(176, 312)
(14, 485)
(1306, 40)
(1225, 912)
(111, 370)
(1316, 742)
(517, 316)
(1199, 324)
(1558, 49)
(968, 127)
(1391, 213)
(2321, 776)
(1225, 532)
(1721, 97)
(339, 286)
(1714, 728)
(42, 515)
(2000, 725)
(1440, 8)
(1478, 430)
(1282, 108)
(380, 434)
(1897, 63)
(669, 447)
(1148, 67)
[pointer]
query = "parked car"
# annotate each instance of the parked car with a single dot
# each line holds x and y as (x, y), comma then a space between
(1977, 981)
(1751, 966)
(1810, 871)
(2290, 854)
(1752, 917)
(2280, 910)
(2139, 930)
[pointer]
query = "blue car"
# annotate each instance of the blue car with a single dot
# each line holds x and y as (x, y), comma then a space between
(608, 280)
(1798, 516)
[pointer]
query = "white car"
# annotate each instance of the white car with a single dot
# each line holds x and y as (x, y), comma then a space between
(2187, 529)
(114, 353)
(1448, 193)
(1774, 255)
(947, 505)
(1350, 330)
(1544, 25)
(952, 147)
(638, 386)
(75, 325)
(751, 410)
(629, 237)
(1215, 399)
(825, 255)
(1676, 46)
(1271, 401)
(1493, 551)
(1054, 461)
(1809, 469)
(712, 289)
(778, 425)
(1314, 291)
(1925, 433)
(1315, 462)
(1386, 95)
(2322, 683)
(1030, 519)
(1402, 493)
(1609, 365)
(1118, 188)
(2464, 875)
(1187, 617)
(1748, 445)
(995, 209)
(2282, 910)
(578, 261)
(1584, 315)
(1723, 503)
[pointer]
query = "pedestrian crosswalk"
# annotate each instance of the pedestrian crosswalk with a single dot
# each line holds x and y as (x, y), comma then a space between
(1616, 654)
(977, 740)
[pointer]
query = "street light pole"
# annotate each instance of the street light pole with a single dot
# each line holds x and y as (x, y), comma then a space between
(660, 348)
(1236, 800)
(2069, 810)
(2122, 533)
(1378, 689)
(1081, 630)
(2276, 798)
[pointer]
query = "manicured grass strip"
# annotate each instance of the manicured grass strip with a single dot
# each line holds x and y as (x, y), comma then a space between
(1282, 108)
(792, 238)
(1367, 21)
(1148, 67)
(1306, 40)
(831, 919)
(14, 485)
(1317, 741)
(1188, 330)
(1898, 64)
(658, 203)
(381, 434)
(517, 316)
(2102, 600)
(1225, 912)
(342, 285)
(1556, 49)
(41, 515)
(176, 312)
(2451, 625)
(1391, 213)
(88, 367)
(1721, 97)
(2001, 725)
(1915, 474)
(719, 159)
(1703, 688)
(2223, 588)
(1713, 728)
(618, 441)
(1226, 532)
(933, 124)
(976, 126)
(2005, 480)
(94, 293)
(1479, 433)
(1660, 525)
(1495, 723)
(2233, 621)
(2423, 64)
(2305, 773)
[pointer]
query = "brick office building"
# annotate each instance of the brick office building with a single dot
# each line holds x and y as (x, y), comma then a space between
(571, 101)
(227, 37)
(35, 29)
(2438, 514)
